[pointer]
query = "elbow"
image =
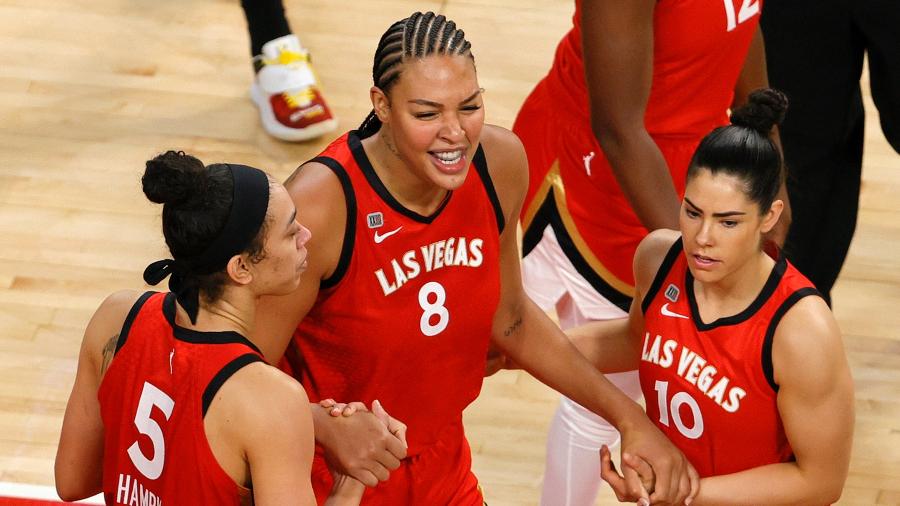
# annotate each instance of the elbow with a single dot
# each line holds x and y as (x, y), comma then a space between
(70, 487)
(68, 492)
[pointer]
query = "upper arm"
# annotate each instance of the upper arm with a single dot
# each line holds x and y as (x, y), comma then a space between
(617, 41)
(79, 457)
(508, 167)
(754, 74)
(648, 258)
(275, 433)
(815, 396)
(321, 207)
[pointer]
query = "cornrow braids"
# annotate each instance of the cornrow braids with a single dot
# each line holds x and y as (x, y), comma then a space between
(418, 36)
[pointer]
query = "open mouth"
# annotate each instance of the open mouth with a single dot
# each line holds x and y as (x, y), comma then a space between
(704, 261)
(450, 162)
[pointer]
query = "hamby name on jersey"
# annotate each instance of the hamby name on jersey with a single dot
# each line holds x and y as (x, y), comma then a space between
(694, 369)
(131, 492)
(454, 251)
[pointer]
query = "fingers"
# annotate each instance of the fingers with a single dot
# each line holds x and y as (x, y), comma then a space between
(609, 475)
(364, 476)
(643, 469)
(633, 485)
(694, 478)
(397, 446)
(394, 426)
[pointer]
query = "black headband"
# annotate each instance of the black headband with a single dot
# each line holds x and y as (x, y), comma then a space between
(249, 203)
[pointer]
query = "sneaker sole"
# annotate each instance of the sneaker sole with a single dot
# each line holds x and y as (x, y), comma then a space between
(274, 128)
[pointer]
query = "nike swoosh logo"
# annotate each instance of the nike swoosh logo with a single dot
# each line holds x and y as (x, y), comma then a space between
(379, 238)
(665, 311)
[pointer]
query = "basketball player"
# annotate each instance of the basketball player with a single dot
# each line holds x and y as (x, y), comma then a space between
(740, 359)
(416, 267)
(609, 133)
(178, 406)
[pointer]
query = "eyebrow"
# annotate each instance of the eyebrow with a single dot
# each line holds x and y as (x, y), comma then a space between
(716, 215)
(429, 103)
(293, 218)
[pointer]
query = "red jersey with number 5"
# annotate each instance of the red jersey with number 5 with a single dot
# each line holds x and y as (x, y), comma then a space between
(406, 318)
(153, 399)
(710, 387)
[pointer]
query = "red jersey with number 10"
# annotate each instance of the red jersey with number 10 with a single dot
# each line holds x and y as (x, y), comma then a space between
(152, 401)
(710, 387)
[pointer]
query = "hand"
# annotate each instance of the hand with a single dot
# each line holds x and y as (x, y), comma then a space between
(676, 480)
(359, 446)
(497, 361)
(341, 408)
(394, 426)
(634, 486)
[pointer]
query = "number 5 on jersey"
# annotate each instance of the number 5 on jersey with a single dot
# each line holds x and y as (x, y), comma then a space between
(150, 396)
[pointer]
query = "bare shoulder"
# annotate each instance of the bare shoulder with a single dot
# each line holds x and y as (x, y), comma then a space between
(807, 334)
(507, 164)
(108, 320)
(649, 256)
(260, 397)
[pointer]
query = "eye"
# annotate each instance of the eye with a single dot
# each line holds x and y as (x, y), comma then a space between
(691, 214)
(729, 223)
(470, 108)
(425, 115)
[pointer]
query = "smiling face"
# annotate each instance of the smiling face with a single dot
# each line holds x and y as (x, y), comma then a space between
(432, 118)
(285, 253)
(722, 228)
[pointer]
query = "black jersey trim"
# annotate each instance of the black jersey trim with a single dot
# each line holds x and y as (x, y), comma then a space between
(661, 274)
(129, 320)
(222, 376)
(767, 367)
(359, 154)
(546, 215)
(198, 337)
(767, 290)
(349, 226)
(482, 168)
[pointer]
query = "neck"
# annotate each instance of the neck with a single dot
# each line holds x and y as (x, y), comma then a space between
(421, 196)
(231, 312)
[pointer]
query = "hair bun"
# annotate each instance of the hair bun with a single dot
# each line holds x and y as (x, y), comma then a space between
(173, 178)
(765, 108)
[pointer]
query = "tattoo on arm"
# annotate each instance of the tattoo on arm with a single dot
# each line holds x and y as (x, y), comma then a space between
(514, 327)
(108, 351)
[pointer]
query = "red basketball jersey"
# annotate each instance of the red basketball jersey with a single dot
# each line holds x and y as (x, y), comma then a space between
(152, 401)
(710, 386)
(699, 49)
(407, 316)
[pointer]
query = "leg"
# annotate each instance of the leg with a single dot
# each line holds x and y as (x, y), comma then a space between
(265, 21)
(878, 21)
(814, 54)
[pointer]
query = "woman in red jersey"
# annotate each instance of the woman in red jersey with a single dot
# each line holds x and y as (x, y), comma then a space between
(609, 132)
(178, 406)
(415, 268)
(740, 359)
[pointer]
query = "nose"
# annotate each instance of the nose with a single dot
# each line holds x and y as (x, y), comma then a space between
(303, 237)
(452, 129)
(705, 234)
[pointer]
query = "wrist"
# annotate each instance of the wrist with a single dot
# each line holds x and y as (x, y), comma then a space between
(320, 422)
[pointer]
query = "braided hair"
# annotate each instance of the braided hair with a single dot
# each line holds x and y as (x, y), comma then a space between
(417, 36)
(744, 149)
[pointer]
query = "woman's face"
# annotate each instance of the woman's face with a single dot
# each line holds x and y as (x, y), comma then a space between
(284, 260)
(433, 118)
(722, 229)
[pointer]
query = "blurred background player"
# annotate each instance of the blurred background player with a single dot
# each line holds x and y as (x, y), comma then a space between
(285, 88)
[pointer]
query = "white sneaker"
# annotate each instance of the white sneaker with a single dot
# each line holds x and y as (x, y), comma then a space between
(286, 91)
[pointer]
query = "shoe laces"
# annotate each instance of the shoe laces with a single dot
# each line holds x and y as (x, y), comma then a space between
(300, 98)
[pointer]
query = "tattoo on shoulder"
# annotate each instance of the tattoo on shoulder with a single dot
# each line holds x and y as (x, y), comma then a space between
(109, 349)
(514, 327)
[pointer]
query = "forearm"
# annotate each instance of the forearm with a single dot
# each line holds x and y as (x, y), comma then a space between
(643, 175)
(345, 492)
(534, 342)
(774, 484)
(607, 345)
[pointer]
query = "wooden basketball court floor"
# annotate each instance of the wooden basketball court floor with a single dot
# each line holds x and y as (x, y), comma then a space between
(91, 89)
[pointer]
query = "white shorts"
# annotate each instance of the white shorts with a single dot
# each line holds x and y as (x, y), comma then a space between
(548, 276)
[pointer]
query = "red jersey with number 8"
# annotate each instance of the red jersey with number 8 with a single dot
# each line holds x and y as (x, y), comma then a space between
(710, 387)
(407, 316)
(152, 401)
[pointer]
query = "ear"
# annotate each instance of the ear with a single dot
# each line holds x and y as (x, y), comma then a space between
(772, 215)
(380, 103)
(238, 269)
